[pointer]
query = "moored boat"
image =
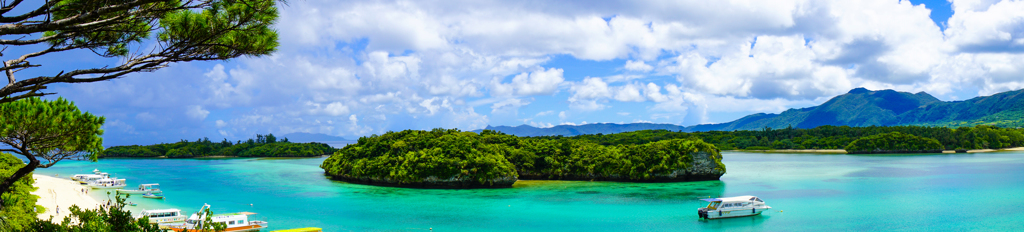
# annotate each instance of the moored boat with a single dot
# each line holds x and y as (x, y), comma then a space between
(235, 222)
(727, 207)
(143, 189)
(157, 216)
(153, 196)
(107, 183)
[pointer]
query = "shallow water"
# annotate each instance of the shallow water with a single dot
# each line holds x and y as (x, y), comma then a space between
(983, 191)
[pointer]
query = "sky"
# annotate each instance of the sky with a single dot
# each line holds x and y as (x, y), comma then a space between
(356, 68)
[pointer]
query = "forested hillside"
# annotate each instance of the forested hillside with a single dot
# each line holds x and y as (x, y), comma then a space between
(261, 146)
(858, 108)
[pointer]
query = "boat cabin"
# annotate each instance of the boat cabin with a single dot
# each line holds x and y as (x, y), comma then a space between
(149, 187)
(234, 221)
(163, 215)
(108, 182)
(732, 207)
(733, 202)
(86, 178)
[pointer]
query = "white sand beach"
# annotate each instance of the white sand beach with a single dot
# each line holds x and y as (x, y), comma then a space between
(54, 192)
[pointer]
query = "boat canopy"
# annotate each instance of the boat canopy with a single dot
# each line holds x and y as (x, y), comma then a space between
(161, 210)
(731, 199)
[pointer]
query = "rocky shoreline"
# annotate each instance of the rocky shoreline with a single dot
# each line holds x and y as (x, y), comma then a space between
(429, 182)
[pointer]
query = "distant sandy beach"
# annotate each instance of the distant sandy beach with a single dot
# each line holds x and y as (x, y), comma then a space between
(54, 192)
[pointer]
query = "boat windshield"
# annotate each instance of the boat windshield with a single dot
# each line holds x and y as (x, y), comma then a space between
(714, 204)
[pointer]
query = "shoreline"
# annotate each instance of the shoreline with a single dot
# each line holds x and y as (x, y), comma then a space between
(842, 151)
(56, 192)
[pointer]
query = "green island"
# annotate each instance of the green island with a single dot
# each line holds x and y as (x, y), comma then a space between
(824, 137)
(449, 158)
(262, 146)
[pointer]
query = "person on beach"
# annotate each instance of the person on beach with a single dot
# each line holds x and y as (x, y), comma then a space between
(58, 210)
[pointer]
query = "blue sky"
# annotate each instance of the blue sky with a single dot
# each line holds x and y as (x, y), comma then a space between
(355, 68)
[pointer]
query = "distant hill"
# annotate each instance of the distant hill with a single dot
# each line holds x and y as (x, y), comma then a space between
(858, 108)
(302, 137)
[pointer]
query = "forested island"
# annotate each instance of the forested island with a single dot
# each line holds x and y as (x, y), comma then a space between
(262, 146)
(822, 137)
(449, 158)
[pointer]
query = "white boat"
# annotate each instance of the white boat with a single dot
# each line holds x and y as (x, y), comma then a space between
(727, 207)
(234, 221)
(107, 183)
(143, 189)
(154, 196)
(86, 178)
(157, 216)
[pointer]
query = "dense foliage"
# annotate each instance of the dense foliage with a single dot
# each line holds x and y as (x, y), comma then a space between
(19, 203)
(413, 156)
(823, 137)
(410, 157)
(893, 142)
(45, 132)
(114, 218)
(262, 146)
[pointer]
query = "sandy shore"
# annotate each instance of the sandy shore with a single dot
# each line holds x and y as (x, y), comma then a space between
(54, 192)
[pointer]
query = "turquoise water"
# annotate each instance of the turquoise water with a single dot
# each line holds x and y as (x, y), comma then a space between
(982, 191)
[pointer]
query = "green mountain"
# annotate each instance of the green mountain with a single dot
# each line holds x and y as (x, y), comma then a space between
(858, 108)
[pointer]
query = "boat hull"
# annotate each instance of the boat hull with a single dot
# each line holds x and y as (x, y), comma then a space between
(107, 187)
(232, 229)
(127, 191)
(717, 214)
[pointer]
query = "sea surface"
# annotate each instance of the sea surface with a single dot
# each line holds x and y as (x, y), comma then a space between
(808, 192)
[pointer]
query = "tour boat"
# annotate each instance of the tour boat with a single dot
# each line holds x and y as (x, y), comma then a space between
(732, 207)
(86, 178)
(154, 196)
(143, 189)
(107, 183)
(234, 222)
(157, 216)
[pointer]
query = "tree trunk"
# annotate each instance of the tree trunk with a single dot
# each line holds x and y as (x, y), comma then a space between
(5, 186)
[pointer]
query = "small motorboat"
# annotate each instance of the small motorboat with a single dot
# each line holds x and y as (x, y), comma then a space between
(143, 189)
(727, 207)
(153, 196)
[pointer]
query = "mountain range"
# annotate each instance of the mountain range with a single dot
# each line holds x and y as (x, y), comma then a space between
(858, 108)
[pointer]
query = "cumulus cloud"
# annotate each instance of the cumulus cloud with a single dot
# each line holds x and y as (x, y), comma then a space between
(425, 64)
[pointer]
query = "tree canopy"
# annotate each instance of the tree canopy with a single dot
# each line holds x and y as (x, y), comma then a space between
(144, 35)
(449, 158)
(262, 146)
(50, 131)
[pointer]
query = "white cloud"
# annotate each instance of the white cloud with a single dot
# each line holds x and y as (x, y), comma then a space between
(634, 65)
(196, 112)
(534, 83)
(424, 64)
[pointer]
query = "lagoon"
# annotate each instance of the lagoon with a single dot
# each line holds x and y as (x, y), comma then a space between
(978, 191)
